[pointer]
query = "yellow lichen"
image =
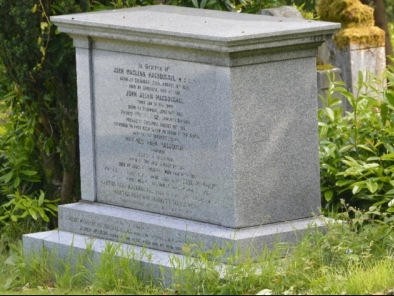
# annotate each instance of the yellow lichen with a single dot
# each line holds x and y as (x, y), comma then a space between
(350, 13)
(321, 66)
(357, 22)
(324, 67)
(368, 37)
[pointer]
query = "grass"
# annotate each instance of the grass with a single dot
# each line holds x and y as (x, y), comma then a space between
(368, 278)
(340, 260)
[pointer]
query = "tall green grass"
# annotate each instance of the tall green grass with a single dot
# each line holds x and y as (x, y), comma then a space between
(334, 260)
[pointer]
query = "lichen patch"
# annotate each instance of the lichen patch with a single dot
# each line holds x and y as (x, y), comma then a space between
(357, 22)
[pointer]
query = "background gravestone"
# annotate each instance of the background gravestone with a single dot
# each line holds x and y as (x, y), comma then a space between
(200, 132)
(358, 46)
(283, 11)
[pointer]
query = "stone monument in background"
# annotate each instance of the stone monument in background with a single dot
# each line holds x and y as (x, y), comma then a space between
(358, 46)
(196, 126)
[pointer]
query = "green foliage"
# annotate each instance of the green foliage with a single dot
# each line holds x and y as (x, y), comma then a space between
(20, 175)
(18, 158)
(38, 126)
(24, 214)
(39, 65)
(246, 6)
(306, 14)
(356, 149)
(253, 6)
(307, 5)
(389, 8)
(21, 206)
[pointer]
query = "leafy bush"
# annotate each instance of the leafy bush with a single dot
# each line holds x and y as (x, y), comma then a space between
(308, 5)
(40, 66)
(23, 207)
(38, 127)
(356, 149)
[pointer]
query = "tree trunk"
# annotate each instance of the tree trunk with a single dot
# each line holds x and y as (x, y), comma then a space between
(381, 22)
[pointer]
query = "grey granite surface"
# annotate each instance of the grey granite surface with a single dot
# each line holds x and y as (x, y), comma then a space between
(194, 28)
(86, 123)
(61, 245)
(170, 234)
(194, 23)
(235, 147)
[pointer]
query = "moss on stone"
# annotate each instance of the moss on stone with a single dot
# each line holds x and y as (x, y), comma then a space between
(367, 37)
(324, 67)
(321, 66)
(350, 13)
(357, 22)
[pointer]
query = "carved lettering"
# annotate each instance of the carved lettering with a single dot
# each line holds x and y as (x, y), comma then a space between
(154, 118)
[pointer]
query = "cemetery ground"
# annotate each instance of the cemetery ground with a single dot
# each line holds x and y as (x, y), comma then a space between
(342, 260)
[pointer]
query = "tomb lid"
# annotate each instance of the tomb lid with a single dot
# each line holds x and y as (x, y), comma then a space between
(194, 28)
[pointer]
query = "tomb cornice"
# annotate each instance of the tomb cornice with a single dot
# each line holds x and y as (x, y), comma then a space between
(199, 31)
